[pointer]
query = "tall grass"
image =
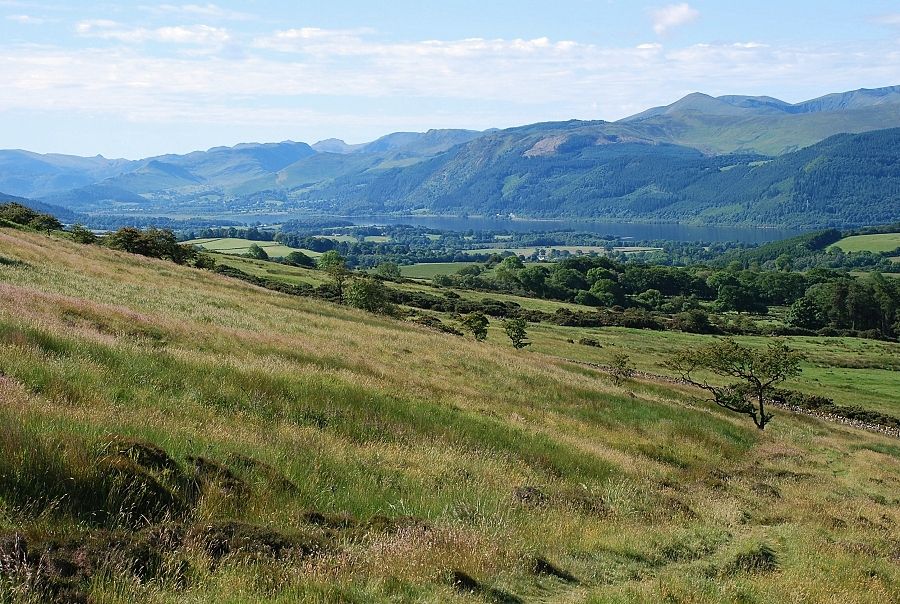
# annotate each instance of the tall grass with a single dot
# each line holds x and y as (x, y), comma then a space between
(339, 457)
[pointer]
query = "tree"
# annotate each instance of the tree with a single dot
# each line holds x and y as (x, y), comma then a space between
(256, 252)
(336, 266)
(45, 222)
(477, 323)
(296, 258)
(80, 234)
(755, 374)
(388, 270)
(621, 368)
(205, 261)
(515, 329)
(367, 294)
(806, 314)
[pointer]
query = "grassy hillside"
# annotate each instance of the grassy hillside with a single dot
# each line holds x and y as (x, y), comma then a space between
(882, 242)
(170, 435)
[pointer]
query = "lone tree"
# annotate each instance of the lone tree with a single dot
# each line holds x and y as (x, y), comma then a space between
(621, 368)
(477, 323)
(756, 372)
(256, 252)
(336, 266)
(367, 294)
(515, 329)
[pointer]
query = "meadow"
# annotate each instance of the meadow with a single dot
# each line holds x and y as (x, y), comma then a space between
(428, 270)
(173, 435)
(852, 371)
(236, 246)
(882, 242)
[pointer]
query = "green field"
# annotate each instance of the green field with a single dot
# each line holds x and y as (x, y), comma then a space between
(293, 275)
(235, 246)
(172, 435)
(428, 270)
(883, 242)
(852, 371)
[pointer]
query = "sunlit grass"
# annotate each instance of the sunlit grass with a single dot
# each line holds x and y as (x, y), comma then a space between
(644, 494)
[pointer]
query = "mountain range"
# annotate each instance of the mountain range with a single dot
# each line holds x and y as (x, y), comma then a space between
(729, 159)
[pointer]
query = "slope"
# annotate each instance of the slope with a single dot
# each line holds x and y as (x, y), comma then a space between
(216, 442)
(567, 170)
(734, 123)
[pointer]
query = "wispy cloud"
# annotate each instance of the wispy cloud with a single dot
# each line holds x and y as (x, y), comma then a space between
(521, 80)
(888, 19)
(671, 16)
(26, 19)
(194, 34)
(206, 11)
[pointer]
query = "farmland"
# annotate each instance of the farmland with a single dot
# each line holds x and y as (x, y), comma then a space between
(237, 247)
(882, 242)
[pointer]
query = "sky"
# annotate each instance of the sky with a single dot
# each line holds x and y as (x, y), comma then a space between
(136, 79)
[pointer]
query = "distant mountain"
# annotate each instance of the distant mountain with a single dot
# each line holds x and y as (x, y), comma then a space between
(561, 171)
(731, 124)
(413, 144)
(662, 164)
(32, 175)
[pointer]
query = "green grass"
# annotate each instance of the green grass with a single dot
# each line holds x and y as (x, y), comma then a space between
(428, 270)
(439, 454)
(852, 371)
(882, 242)
(293, 275)
(234, 246)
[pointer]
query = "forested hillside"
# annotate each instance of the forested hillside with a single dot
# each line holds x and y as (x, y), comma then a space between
(846, 179)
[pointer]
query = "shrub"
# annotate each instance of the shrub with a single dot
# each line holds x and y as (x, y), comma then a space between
(515, 329)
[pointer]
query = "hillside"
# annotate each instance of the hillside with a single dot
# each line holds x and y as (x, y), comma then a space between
(662, 164)
(563, 170)
(745, 124)
(208, 441)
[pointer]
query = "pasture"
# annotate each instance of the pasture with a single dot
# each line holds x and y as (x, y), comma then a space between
(882, 242)
(235, 246)
(285, 449)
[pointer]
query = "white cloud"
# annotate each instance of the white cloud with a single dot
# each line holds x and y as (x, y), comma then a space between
(671, 16)
(290, 75)
(207, 11)
(105, 29)
(889, 19)
(25, 19)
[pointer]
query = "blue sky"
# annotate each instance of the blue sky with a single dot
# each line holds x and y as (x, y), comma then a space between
(133, 79)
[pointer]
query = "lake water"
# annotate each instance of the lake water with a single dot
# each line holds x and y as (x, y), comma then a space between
(636, 231)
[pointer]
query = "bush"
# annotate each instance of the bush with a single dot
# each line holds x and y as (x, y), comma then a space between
(154, 243)
(367, 294)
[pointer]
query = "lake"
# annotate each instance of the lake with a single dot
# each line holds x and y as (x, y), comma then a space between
(636, 231)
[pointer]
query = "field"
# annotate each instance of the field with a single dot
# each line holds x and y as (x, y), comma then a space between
(852, 371)
(884, 242)
(172, 435)
(234, 246)
(427, 270)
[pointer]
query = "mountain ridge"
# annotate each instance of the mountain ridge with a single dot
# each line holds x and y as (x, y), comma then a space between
(331, 174)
